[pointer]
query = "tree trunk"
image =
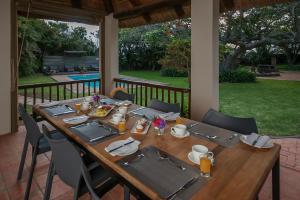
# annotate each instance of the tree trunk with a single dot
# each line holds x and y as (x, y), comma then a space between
(230, 60)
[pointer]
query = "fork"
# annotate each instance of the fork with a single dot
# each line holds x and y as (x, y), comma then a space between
(166, 157)
(139, 156)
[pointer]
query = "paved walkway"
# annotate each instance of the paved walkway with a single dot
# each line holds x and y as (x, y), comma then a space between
(11, 148)
(285, 75)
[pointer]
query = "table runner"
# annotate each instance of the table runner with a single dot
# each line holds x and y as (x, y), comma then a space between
(225, 138)
(59, 110)
(163, 176)
(94, 132)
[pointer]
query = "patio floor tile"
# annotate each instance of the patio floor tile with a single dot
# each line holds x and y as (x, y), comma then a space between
(11, 189)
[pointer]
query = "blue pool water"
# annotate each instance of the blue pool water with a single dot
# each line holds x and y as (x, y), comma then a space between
(78, 77)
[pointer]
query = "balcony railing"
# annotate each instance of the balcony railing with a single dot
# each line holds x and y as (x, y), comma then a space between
(145, 91)
(32, 94)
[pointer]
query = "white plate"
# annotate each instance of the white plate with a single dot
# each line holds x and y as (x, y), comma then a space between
(124, 103)
(191, 158)
(268, 145)
(76, 120)
(187, 133)
(46, 105)
(126, 150)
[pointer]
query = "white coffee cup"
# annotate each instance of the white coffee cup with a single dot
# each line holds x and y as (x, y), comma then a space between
(123, 110)
(179, 129)
(116, 118)
(198, 151)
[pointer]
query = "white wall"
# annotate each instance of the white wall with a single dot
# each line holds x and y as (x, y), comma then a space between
(5, 42)
(205, 57)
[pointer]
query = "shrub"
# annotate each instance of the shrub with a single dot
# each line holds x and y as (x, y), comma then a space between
(173, 72)
(237, 76)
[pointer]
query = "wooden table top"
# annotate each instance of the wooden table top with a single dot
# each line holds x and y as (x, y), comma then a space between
(239, 173)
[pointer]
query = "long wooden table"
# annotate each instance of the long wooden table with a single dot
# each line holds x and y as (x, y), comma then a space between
(240, 171)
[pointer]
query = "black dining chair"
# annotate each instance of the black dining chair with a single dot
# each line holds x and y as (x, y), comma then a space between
(164, 107)
(39, 144)
(244, 126)
(121, 95)
(69, 164)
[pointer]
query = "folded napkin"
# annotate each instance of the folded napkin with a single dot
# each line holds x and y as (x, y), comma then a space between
(126, 146)
(169, 116)
(257, 140)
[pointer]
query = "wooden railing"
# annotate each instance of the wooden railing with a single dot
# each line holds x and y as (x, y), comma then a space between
(39, 93)
(145, 91)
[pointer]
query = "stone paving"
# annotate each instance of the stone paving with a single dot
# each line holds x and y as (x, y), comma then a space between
(285, 75)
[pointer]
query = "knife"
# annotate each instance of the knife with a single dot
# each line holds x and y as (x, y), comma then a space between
(98, 138)
(186, 185)
(123, 145)
(255, 141)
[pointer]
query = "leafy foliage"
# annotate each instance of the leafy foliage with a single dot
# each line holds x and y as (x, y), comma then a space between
(48, 38)
(237, 76)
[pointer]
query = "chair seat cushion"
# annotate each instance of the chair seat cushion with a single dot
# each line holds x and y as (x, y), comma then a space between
(44, 146)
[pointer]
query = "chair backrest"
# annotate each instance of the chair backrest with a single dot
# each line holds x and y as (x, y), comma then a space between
(121, 95)
(164, 107)
(66, 159)
(33, 132)
(244, 126)
(68, 163)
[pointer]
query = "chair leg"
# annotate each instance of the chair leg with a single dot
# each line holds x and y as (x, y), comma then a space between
(126, 193)
(23, 157)
(51, 173)
(33, 162)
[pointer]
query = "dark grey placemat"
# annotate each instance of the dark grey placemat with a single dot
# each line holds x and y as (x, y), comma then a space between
(226, 138)
(93, 130)
(59, 110)
(108, 101)
(163, 176)
(148, 112)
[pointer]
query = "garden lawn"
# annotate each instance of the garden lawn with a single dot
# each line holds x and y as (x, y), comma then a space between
(275, 104)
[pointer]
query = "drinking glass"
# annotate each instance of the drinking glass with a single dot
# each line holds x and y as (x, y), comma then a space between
(205, 166)
(179, 120)
(78, 107)
(122, 126)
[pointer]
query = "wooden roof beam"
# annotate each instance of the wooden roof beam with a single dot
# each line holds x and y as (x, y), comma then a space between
(146, 16)
(142, 9)
(76, 4)
(109, 7)
(179, 11)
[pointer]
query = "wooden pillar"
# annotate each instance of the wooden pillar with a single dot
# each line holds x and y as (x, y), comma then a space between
(205, 57)
(110, 52)
(14, 68)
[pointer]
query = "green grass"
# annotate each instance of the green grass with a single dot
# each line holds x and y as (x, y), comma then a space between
(286, 67)
(155, 76)
(275, 104)
(37, 78)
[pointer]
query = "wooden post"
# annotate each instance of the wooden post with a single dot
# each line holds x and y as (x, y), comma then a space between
(14, 68)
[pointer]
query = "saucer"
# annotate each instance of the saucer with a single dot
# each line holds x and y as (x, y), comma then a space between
(191, 158)
(187, 133)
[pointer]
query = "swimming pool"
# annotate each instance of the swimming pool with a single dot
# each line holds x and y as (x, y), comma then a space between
(78, 77)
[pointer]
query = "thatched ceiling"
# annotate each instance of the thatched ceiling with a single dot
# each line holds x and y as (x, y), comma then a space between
(129, 12)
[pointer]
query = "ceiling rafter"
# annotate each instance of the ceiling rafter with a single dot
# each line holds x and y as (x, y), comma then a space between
(151, 7)
(76, 4)
(109, 7)
(146, 16)
(179, 11)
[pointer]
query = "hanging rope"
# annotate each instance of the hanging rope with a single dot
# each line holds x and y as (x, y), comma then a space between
(25, 31)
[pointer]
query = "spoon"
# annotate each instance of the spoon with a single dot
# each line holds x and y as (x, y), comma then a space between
(166, 157)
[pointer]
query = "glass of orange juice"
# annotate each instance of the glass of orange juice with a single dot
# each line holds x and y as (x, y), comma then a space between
(122, 126)
(77, 107)
(206, 164)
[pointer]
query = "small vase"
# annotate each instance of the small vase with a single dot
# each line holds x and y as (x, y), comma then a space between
(160, 131)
